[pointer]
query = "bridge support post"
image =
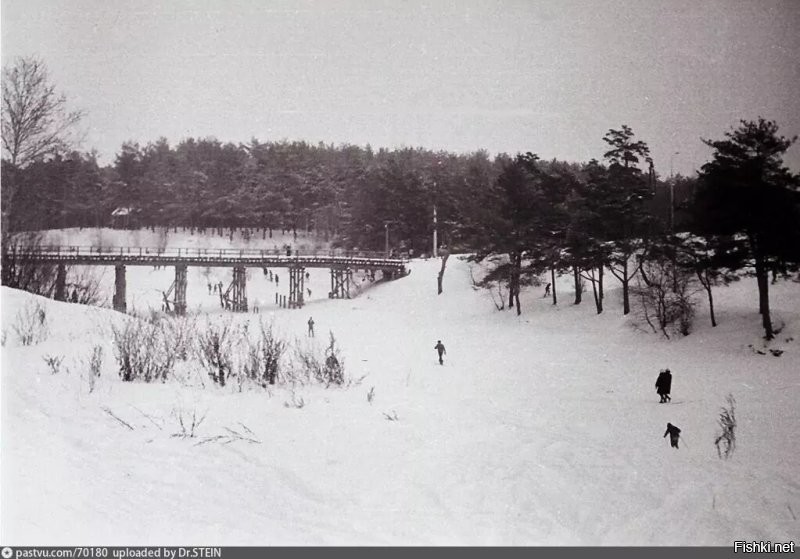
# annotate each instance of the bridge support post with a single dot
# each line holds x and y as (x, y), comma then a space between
(239, 289)
(119, 288)
(297, 275)
(180, 289)
(340, 283)
(60, 293)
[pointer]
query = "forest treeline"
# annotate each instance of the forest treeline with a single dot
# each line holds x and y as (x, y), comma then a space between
(347, 193)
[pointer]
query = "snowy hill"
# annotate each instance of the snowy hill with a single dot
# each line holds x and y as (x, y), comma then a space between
(542, 429)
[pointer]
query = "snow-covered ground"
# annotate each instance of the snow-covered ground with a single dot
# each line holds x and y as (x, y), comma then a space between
(543, 429)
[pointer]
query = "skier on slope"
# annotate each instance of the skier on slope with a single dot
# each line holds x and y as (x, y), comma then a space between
(439, 347)
(664, 385)
(674, 434)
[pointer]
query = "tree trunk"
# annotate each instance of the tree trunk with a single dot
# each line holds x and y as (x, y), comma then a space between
(626, 302)
(763, 297)
(600, 280)
(517, 272)
(553, 285)
(598, 303)
(578, 287)
(511, 289)
(711, 307)
(762, 281)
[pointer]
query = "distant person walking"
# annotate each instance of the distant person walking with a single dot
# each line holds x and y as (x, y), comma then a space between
(311, 327)
(674, 434)
(664, 385)
(439, 347)
(546, 290)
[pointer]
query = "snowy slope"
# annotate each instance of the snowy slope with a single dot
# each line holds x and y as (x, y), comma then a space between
(540, 429)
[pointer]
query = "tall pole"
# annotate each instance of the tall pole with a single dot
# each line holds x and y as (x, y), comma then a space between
(386, 227)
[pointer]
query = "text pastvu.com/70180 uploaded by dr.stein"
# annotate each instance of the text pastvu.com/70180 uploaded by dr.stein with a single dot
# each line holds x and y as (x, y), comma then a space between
(112, 553)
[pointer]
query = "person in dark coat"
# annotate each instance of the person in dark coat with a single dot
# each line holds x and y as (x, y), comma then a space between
(439, 347)
(674, 433)
(664, 385)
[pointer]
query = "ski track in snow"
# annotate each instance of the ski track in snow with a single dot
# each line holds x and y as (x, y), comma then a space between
(542, 429)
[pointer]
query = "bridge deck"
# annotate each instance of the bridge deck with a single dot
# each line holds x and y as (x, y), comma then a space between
(226, 257)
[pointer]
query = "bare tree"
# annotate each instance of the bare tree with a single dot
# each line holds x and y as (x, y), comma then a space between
(35, 119)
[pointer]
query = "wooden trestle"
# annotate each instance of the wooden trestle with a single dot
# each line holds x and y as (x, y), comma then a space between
(341, 278)
(297, 276)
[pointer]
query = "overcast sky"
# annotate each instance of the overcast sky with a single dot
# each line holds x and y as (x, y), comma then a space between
(547, 76)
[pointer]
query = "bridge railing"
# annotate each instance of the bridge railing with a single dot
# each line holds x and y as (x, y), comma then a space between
(75, 251)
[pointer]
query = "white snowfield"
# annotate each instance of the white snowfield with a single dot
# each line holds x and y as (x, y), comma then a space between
(543, 429)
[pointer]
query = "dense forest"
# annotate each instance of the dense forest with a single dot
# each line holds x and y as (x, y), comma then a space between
(348, 193)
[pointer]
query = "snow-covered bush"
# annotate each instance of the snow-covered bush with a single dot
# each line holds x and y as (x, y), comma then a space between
(31, 324)
(179, 331)
(326, 369)
(34, 277)
(726, 440)
(188, 422)
(666, 298)
(264, 357)
(143, 350)
(307, 365)
(215, 350)
(96, 361)
(333, 371)
(85, 285)
(54, 362)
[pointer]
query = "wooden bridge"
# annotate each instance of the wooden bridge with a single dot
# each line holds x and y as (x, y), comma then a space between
(342, 263)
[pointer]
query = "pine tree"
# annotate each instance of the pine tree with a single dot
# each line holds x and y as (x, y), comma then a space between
(750, 201)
